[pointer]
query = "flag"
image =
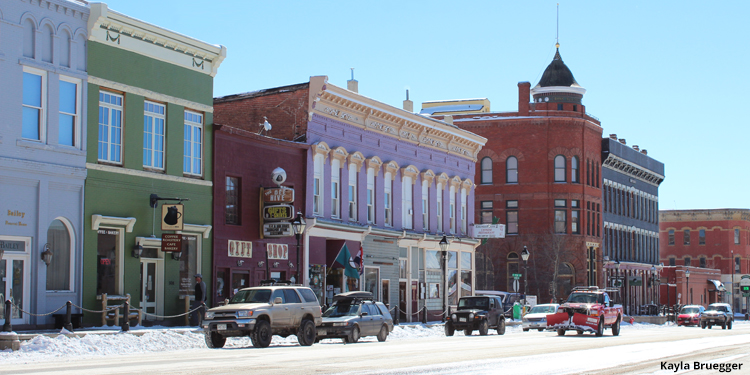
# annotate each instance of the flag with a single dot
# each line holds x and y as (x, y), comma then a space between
(345, 259)
(359, 261)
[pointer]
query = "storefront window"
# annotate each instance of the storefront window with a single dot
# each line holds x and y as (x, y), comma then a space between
(372, 282)
(466, 285)
(433, 260)
(106, 268)
(58, 272)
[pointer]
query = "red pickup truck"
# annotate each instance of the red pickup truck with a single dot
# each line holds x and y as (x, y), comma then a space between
(588, 309)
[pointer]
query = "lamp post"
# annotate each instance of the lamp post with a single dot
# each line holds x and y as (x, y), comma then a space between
(731, 286)
(298, 225)
(687, 275)
(525, 256)
(617, 276)
(443, 249)
(653, 282)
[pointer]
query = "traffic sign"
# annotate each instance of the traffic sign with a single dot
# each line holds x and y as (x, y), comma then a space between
(516, 276)
(515, 285)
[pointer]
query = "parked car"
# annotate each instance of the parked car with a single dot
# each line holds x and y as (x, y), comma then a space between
(536, 318)
(477, 312)
(263, 311)
(690, 315)
(507, 298)
(717, 314)
(353, 315)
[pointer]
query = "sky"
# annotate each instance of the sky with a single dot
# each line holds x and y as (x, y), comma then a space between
(668, 76)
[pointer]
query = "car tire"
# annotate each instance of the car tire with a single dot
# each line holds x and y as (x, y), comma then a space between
(383, 334)
(710, 325)
(580, 332)
(484, 328)
(262, 334)
(214, 340)
(467, 332)
(306, 334)
(526, 330)
(501, 327)
(724, 325)
(561, 332)
(449, 329)
(600, 328)
(729, 324)
(353, 336)
(703, 325)
(541, 330)
(616, 327)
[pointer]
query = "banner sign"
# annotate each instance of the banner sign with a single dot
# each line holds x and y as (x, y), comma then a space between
(489, 231)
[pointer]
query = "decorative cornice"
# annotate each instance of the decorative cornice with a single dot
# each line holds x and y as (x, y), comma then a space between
(339, 153)
(391, 167)
(429, 176)
(321, 148)
(357, 159)
(443, 178)
(621, 165)
(455, 181)
(410, 171)
(144, 174)
(148, 94)
(375, 163)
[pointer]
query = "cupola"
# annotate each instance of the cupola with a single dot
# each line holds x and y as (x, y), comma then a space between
(557, 84)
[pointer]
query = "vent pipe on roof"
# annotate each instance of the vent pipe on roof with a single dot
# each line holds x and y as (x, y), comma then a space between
(635, 147)
(352, 84)
(644, 152)
(408, 104)
(622, 140)
(613, 136)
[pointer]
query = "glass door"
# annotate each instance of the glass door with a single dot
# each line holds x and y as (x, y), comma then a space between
(13, 276)
(148, 287)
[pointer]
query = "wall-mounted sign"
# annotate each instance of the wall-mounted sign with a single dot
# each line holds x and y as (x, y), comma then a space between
(240, 249)
(171, 242)
(278, 195)
(278, 212)
(12, 245)
(171, 216)
(277, 251)
(14, 218)
(489, 231)
(281, 229)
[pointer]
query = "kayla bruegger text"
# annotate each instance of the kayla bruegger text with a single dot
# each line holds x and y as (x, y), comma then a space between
(722, 367)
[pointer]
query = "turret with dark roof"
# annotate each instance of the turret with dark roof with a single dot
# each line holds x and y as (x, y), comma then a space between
(558, 84)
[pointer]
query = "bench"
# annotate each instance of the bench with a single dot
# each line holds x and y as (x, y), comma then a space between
(115, 315)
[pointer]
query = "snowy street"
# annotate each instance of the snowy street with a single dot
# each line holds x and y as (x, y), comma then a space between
(413, 349)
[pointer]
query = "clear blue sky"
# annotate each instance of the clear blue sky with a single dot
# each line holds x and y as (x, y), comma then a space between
(669, 76)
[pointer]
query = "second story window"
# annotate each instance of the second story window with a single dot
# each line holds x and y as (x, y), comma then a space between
(69, 131)
(407, 202)
(511, 217)
(425, 205)
(671, 236)
(486, 170)
(388, 199)
(232, 209)
(110, 127)
(736, 236)
(352, 192)
(34, 103)
(452, 209)
(575, 220)
(486, 212)
(439, 206)
(193, 144)
(511, 170)
(318, 184)
(464, 212)
(335, 189)
(153, 135)
(560, 216)
(560, 168)
(686, 237)
(701, 237)
(370, 196)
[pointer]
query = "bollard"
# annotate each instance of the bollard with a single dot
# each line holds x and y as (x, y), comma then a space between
(424, 316)
(7, 327)
(68, 325)
(126, 322)
(747, 315)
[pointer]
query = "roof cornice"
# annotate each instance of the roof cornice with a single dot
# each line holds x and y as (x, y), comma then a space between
(621, 165)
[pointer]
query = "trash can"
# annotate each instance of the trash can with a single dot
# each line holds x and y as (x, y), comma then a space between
(516, 311)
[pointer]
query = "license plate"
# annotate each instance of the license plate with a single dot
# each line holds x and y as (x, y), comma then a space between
(322, 332)
(221, 327)
(461, 319)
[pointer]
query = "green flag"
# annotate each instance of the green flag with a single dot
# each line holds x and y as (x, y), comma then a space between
(345, 258)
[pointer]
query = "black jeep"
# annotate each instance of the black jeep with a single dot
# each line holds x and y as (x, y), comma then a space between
(477, 312)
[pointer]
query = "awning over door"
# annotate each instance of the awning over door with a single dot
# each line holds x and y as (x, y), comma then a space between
(719, 285)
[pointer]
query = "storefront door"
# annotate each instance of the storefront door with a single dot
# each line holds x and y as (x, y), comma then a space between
(149, 287)
(239, 281)
(14, 278)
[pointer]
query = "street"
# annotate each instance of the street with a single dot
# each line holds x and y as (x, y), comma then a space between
(640, 349)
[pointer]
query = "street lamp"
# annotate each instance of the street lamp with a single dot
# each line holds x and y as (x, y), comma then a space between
(687, 275)
(525, 256)
(443, 249)
(653, 281)
(298, 225)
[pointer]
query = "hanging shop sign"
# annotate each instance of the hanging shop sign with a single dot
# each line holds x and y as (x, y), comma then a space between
(278, 195)
(280, 229)
(171, 216)
(171, 242)
(489, 231)
(278, 212)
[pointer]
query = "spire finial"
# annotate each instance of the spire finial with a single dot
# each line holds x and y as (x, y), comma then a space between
(557, 31)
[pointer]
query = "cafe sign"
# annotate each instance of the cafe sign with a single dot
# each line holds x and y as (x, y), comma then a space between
(171, 243)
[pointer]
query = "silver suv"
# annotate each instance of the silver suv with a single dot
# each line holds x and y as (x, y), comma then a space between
(263, 311)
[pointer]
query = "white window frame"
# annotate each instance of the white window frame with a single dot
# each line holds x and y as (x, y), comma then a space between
(42, 126)
(318, 161)
(77, 130)
(188, 151)
(108, 143)
(452, 209)
(72, 241)
(464, 212)
(352, 192)
(335, 189)
(151, 149)
(407, 203)
(388, 199)
(370, 196)
(425, 206)
(439, 211)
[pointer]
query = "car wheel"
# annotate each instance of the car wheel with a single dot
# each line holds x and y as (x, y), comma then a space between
(383, 334)
(561, 332)
(580, 332)
(729, 324)
(484, 327)
(526, 330)
(703, 325)
(214, 340)
(467, 332)
(449, 329)
(724, 325)
(710, 325)
(540, 330)
(353, 336)
(262, 334)
(307, 333)
(501, 327)
(616, 327)
(600, 328)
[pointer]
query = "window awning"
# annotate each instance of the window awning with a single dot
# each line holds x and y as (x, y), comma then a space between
(719, 285)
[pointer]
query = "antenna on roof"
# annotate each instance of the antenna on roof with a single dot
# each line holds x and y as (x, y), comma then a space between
(557, 31)
(352, 73)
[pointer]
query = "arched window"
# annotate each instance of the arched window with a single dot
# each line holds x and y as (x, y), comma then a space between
(511, 170)
(574, 169)
(560, 168)
(486, 170)
(60, 243)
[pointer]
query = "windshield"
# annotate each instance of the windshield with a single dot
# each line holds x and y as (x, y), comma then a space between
(689, 310)
(474, 303)
(586, 298)
(542, 309)
(252, 295)
(718, 308)
(341, 309)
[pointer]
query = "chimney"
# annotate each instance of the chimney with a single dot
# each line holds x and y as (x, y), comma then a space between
(635, 147)
(644, 152)
(523, 98)
(408, 104)
(352, 84)
(448, 119)
(622, 140)
(613, 136)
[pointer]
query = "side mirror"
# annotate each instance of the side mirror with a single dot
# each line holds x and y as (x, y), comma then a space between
(364, 313)
(278, 301)
(226, 302)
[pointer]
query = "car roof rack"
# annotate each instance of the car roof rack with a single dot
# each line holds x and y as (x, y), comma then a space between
(592, 288)
(272, 282)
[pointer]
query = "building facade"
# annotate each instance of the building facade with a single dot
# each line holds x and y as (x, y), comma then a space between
(42, 155)
(630, 194)
(383, 182)
(150, 141)
(709, 239)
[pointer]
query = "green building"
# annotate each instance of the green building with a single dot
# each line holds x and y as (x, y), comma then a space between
(149, 135)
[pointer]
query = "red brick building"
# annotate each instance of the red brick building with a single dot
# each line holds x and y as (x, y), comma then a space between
(708, 239)
(539, 174)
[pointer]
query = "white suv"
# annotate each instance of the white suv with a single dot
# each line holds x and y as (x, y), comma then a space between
(263, 311)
